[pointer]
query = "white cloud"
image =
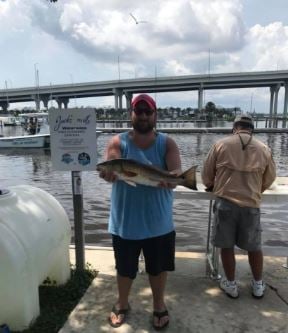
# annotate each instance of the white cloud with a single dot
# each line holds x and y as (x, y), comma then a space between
(13, 17)
(71, 16)
(101, 30)
(174, 67)
(84, 38)
(269, 46)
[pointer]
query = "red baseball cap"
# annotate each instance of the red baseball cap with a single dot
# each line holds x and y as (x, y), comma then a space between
(144, 98)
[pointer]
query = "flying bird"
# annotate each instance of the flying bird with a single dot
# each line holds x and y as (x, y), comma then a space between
(136, 21)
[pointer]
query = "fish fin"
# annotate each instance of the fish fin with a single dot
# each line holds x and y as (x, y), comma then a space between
(129, 182)
(189, 178)
(129, 173)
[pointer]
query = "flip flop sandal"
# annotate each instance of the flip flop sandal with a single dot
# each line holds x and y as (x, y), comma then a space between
(159, 315)
(118, 312)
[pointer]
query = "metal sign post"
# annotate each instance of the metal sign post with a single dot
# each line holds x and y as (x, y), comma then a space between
(77, 191)
(212, 255)
(73, 148)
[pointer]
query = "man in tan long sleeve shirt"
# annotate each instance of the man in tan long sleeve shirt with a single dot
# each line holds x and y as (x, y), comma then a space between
(238, 169)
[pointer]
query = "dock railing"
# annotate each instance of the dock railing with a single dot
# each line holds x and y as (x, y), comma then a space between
(277, 194)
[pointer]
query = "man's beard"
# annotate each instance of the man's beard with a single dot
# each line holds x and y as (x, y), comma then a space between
(143, 127)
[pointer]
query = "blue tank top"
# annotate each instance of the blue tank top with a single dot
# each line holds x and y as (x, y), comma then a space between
(139, 212)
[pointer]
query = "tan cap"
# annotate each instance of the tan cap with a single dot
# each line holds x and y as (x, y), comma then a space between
(244, 119)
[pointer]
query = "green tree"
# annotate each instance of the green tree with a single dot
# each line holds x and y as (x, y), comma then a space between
(210, 107)
(210, 110)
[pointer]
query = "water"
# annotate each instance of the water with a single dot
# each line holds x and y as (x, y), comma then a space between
(33, 167)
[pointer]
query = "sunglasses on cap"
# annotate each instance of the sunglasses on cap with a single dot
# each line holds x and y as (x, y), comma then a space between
(147, 111)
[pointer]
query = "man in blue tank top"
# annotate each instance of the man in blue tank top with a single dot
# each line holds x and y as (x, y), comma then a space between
(141, 216)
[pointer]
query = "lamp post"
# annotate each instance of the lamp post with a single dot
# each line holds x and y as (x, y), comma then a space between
(119, 76)
(72, 82)
(51, 94)
(36, 73)
(209, 61)
(251, 103)
(155, 95)
(7, 98)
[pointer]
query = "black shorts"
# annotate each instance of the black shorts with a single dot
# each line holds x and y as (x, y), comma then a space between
(159, 254)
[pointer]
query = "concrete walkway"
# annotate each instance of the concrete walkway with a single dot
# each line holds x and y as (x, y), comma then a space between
(195, 302)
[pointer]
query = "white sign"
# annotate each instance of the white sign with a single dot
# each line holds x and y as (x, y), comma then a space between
(73, 139)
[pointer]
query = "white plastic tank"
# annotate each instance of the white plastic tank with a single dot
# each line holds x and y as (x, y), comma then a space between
(35, 235)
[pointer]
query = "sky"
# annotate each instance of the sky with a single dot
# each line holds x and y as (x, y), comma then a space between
(73, 41)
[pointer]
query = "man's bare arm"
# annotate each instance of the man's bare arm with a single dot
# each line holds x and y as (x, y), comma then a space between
(173, 161)
(112, 152)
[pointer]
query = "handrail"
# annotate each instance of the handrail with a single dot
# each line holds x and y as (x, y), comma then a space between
(276, 194)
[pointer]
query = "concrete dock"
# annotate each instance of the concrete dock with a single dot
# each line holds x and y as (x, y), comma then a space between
(195, 302)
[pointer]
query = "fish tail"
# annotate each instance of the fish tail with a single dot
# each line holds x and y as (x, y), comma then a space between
(189, 178)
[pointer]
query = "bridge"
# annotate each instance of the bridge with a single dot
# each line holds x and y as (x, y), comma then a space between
(273, 80)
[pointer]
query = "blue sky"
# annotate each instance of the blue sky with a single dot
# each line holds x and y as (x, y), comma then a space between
(80, 41)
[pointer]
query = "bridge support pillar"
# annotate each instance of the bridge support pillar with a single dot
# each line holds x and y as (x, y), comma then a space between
(62, 100)
(4, 105)
(128, 100)
(45, 99)
(37, 101)
(285, 106)
(200, 98)
(272, 90)
(277, 88)
(116, 102)
(66, 102)
(118, 98)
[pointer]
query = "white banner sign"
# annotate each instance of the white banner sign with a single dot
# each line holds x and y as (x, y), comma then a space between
(73, 139)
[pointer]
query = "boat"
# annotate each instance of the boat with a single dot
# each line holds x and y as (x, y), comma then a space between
(39, 140)
(26, 141)
(29, 141)
(9, 121)
(35, 123)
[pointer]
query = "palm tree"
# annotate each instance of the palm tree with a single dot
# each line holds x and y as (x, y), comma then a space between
(210, 110)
